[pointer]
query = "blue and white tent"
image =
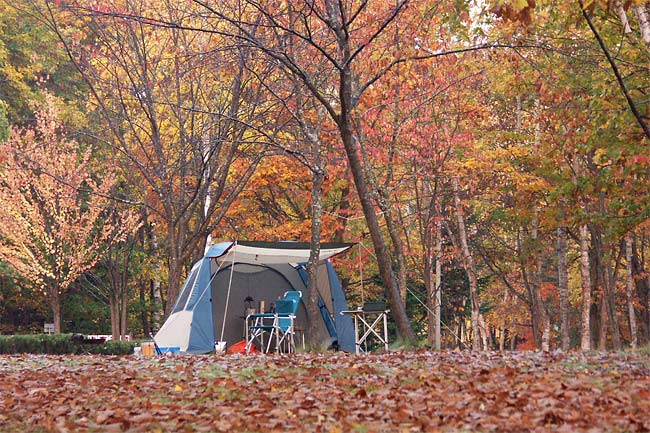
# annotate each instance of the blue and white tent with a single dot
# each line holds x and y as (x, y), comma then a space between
(233, 275)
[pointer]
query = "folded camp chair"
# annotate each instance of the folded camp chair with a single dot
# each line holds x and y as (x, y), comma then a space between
(278, 327)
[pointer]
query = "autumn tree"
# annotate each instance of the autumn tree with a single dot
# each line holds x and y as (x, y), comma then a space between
(570, 175)
(31, 61)
(57, 217)
(181, 109)
(330, 38)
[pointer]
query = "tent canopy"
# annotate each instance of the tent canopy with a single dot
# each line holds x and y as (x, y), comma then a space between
(268, 253)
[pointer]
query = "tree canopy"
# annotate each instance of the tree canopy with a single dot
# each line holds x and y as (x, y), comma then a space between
(489, 157)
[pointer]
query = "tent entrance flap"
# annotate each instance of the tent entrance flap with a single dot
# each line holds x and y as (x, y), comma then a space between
(261, 283)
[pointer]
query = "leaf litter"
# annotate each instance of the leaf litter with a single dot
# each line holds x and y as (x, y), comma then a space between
(420, 391)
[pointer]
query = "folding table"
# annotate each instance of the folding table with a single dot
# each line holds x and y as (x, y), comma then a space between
(369, 323)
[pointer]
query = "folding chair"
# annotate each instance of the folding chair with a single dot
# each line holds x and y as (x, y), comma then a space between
(283, 325)
(293, 295)
(278, 327)
(297, 296)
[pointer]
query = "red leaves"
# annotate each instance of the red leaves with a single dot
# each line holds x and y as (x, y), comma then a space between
(522, 391)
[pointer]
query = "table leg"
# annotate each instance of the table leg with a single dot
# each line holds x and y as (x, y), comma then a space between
(357, 343)
(385, 332)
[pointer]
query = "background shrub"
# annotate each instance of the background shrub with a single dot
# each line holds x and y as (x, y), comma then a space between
(60, 344)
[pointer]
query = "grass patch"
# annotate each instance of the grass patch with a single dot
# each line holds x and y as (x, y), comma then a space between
(212, 372)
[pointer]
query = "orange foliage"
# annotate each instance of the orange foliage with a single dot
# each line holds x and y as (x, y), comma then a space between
(57, 217)
(276, 203)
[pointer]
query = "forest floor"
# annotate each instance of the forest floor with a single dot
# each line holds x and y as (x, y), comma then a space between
(394, 392)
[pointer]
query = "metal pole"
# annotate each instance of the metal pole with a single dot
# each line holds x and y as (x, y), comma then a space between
(385, 332)
(356, 334)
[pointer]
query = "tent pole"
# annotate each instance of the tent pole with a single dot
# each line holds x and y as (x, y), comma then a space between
(225, 311)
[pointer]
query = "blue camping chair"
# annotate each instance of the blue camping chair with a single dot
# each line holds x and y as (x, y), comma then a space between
(277, 327)
(293, 295)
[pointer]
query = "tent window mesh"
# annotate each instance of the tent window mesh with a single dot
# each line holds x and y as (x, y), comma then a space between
(197, 291)
(185, 293)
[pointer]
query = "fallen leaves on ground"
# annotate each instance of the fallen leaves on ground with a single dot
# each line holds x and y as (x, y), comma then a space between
(393, 392)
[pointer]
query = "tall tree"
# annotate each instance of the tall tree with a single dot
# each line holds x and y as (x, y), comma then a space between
(32, 61)
(57, 218)
(332, 37)
(634, 339)
(563, 285)
(180, 108)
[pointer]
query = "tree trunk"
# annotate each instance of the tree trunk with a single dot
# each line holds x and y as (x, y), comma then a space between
(382, 195)
(55, 305)
(124, 310)
(486, 338)
(470, 269)
(630, 292)
(353, 152)
(118, 262)
(540, 317)
(585, 335)
(398, 251)
(318, 177)
(114, 297)
(158, 307)
(642, 288)
(648, 303)
(644, 22)
(155, 292)
(507, 296)
(173, 280)
(563, 283)
(438, 288)
(602, 328)
(343, 210)
(144, 313)
(207, 180)
(606, 271)
(382, 253)
(622, 16)
(429, 284)
(611, 313)
(432, 281)
(115, 317)
(462, 337)
(546, 334)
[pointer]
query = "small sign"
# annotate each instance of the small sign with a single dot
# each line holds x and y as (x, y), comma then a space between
(49, 328)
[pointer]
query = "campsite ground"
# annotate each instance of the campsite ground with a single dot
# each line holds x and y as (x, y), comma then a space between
(395, 392)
